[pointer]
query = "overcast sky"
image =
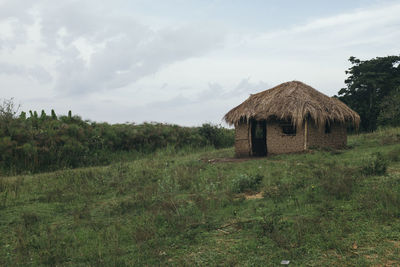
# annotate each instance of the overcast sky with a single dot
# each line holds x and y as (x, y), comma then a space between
(181, 61)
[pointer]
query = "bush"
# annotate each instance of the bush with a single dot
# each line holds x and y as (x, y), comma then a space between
(277, 191)
(382, 200)
(51, 142)
(339, 185)
(336, 181)
(246, 183)
(375, 165)
(217, 136)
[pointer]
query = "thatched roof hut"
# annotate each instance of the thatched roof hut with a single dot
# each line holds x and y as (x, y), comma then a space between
(296, 103)
(293, 101)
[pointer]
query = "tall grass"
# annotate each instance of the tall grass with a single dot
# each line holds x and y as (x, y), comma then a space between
(43, 143)
(317, 209)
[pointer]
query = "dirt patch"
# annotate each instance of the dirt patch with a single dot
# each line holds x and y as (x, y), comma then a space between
(371, 257)
(222, 160)
(256, 196)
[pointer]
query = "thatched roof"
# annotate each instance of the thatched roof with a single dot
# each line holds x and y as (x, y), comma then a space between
(293, 101)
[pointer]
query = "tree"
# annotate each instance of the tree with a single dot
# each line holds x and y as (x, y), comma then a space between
(53, 114)
(368, 84)
(8, 111)
(390, 109)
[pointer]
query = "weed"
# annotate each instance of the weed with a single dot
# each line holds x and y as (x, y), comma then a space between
(376, 164)
(144, 231)
(338, 185)
(277, 191)
(29, 219)
(382, 201)
(337, 181)
(275, 227)
(246, 183)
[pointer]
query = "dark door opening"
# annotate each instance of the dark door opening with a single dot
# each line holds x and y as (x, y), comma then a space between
(259, 138)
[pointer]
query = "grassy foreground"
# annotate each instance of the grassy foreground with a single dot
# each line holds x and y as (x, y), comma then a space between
(314, 209)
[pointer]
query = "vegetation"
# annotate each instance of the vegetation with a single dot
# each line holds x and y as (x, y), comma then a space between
(33, 143)
(320, 208)
(163, 200)
(373, 90)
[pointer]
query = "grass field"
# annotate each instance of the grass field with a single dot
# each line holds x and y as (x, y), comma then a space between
(325, 207)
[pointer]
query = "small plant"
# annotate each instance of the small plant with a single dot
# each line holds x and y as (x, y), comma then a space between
(375, 165)
(335, 180)
(29, 219)
(246, 183)
(277, 191)
(339, 185)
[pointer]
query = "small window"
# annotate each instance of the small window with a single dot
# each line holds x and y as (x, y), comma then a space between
(327, 128)
(289, 129)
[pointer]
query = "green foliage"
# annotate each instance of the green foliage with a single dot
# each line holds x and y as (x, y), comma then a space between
(174, 209)
(46, 143)
(372, 90)
(277, 191)
(337, 182)
(8, 110)
(376, 164)
(389, 109)
(53, 114)
(216, 136)
(246, 183)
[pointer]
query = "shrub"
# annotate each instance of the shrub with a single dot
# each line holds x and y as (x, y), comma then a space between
(216, 136)
(337, 181)
(46, 143)
(246, 183)
(277, 191)
(382, 200)
(339, 185)
(29, 219)
(375, 165)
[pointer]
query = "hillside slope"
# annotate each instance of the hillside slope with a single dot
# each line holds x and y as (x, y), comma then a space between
(318, 208)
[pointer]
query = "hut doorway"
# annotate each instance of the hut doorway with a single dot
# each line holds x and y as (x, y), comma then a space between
(259, 138)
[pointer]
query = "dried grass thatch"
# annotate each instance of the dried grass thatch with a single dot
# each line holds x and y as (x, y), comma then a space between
(293, 101)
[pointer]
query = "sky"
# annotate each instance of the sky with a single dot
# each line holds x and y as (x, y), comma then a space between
(185, 62)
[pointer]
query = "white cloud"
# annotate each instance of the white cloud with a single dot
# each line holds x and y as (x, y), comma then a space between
(36, 73)
(106, 64)
(91, 50)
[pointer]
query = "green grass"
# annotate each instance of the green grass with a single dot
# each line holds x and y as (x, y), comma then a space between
(321, 208)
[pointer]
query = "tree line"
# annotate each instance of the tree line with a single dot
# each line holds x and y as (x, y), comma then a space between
(33, 142)
(373, 90)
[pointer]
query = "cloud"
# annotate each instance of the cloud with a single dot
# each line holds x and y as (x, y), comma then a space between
(210, 104)
(245, 86)
(108, 63)
(93, 50)
(126, 58)
(214, 92)
(379, 25)
(35, 73)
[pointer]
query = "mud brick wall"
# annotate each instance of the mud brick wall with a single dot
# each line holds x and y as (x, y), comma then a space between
(278, 142)
(242, 140)
(317, 137)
